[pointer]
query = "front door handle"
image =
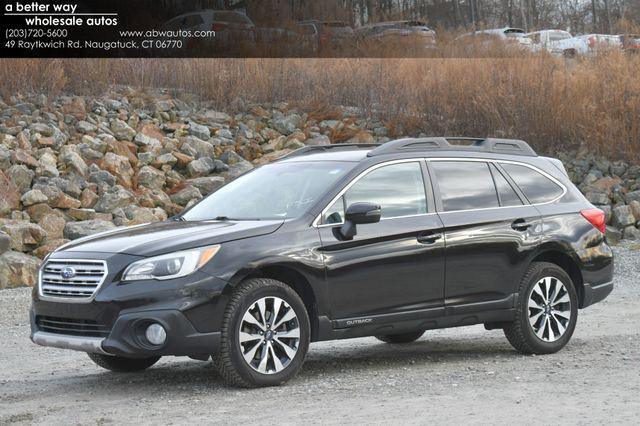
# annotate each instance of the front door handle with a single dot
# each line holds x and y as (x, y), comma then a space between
(429, 239)
(521, 225)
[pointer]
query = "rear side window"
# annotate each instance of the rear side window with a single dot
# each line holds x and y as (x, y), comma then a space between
(506, 194)
(465, 185)
(534, 185)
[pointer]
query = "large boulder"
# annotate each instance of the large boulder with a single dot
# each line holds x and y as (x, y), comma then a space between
(32, 197)
(48, 247)
(5, 242)
(622, 217)
(74, 163)
(635, 209)
(21, 177)
(122, 131)
(114, 198)
(633, 196)
(25, 236)
(120, 167)
(186, 194)
(9, 195)
(200, 167)
(74, 230)
(631, 233)
(18, 270)
(199, 131)
(200, 148)
(151, 178)
(207, 185)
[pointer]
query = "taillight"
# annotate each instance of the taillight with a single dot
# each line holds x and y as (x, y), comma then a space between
(596, 218)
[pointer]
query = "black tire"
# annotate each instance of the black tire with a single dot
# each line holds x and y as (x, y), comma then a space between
(402, 337)
(123, 365)
(230, 361)
(520, 332)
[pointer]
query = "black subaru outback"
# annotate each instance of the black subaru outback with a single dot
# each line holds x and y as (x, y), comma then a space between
(334, 242)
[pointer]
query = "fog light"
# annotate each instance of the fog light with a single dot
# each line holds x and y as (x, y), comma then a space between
(155, 334)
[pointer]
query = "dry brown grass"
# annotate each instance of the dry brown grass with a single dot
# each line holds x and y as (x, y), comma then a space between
(548, 101)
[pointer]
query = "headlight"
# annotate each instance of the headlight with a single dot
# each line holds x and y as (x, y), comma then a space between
(168, 266)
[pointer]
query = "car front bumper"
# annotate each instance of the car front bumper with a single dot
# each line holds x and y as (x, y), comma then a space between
(114, 321)
(127, 337)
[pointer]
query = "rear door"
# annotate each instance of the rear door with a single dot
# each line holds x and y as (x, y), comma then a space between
(392, 267)
(490, 230)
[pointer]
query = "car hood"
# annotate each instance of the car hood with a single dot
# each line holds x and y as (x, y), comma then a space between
(165, 237)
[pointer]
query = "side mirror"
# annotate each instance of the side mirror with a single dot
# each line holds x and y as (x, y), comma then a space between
(359, 214)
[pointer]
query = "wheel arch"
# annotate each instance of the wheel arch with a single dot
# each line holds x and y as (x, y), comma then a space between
(295, 279)
(568, 263)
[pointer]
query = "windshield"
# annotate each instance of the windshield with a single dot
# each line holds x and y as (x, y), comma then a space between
(274, 191)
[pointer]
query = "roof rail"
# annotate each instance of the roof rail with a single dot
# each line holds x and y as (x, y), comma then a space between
(320, 148)
(496, 146)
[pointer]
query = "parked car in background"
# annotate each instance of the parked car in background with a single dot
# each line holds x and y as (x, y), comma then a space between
(630, 43)
(591, 44)
(325, 36)
(508, 37)
(233, 29)
(396, 35)
(553, 41)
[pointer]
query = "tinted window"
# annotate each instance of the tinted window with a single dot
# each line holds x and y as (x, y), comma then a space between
(535, 186)
(397, 188)
(507, 195)
(465, 185)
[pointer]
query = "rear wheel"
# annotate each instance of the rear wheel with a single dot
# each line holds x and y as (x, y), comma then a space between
(265, 334)
(120, 364)
(402, 337)
(546, 311)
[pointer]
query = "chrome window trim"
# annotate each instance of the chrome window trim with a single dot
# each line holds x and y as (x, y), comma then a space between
(42, 296)
(316, 222)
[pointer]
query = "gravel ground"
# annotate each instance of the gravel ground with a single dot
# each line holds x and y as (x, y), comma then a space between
(448, 376)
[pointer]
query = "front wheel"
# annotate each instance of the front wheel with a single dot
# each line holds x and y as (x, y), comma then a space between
(265, 334)
(120, 364)
(546, 311)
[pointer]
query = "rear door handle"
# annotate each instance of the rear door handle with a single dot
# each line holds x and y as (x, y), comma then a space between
(521, 225)
(429, 239)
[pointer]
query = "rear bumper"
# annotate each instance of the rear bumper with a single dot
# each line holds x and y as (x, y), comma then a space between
(595, 293)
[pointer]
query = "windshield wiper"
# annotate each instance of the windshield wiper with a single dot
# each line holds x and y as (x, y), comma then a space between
(227, 218)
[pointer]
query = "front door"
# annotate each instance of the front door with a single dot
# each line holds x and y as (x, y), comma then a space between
(391, 267)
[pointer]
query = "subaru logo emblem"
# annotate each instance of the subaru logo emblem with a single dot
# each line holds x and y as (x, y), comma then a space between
(68, 272)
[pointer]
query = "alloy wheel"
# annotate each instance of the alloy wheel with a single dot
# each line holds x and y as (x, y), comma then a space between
(549, 309)
(269, 335)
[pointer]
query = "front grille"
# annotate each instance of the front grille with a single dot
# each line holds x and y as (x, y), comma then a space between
(72, 279)
(75, 327)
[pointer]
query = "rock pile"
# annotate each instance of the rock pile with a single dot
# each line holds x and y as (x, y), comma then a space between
(73, 166)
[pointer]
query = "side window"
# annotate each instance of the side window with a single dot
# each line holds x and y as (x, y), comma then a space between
(506, 194)
(398, 188)
(534, 185)
(465, 185)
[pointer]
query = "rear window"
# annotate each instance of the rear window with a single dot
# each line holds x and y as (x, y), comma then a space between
(465, 185)
(534, 185)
